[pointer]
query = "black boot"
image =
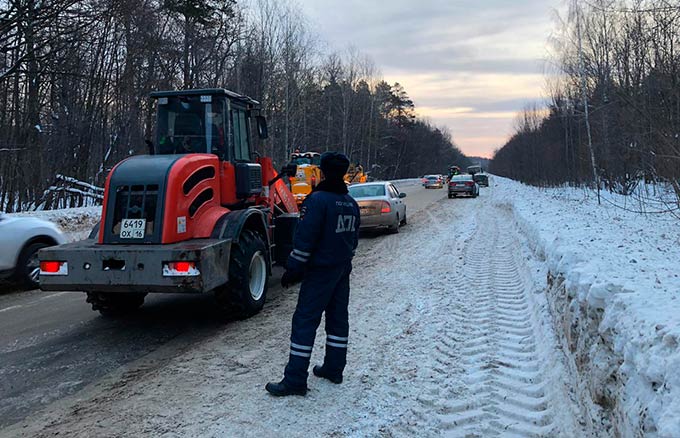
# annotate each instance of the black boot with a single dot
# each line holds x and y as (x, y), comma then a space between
(282, 389)
(319, 371)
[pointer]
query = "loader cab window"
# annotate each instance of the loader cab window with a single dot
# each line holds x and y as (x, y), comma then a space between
(300, 160)
(306, 158)
(239, 133)
(186, 125)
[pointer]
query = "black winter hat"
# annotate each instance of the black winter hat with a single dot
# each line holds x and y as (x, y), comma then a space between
(334, 165)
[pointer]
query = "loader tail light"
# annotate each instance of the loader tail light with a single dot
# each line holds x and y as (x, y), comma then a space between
(313, 179)
(180, 269)
(183, 266)
(385, 207)
(53, 268)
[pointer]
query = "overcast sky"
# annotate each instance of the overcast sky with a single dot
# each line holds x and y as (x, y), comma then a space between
(469, 65)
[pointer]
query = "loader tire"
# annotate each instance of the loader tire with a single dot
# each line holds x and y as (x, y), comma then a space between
(115, 304)
(245, 294)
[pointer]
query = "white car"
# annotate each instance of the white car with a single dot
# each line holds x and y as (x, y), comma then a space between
(20, 240)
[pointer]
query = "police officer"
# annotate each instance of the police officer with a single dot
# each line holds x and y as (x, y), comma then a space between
(324, 244)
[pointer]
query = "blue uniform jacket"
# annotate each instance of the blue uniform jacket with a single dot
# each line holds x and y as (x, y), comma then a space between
(328, 232)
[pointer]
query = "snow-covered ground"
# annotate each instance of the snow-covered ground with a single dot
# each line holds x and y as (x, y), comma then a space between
(614, 291)
(450, 335)
(526, 312)
(407, 182)
(75, 223)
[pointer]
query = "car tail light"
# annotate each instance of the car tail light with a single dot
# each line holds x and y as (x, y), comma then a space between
(180, 269)
(385, 207)
(53, 268)
(469, 183)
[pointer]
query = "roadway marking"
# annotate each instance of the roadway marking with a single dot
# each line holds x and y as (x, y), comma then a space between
(30, 303)
(10, 308)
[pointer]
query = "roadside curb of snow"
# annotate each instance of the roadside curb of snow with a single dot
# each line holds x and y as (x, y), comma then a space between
(620, 372)
(406, 182)
(69, 220)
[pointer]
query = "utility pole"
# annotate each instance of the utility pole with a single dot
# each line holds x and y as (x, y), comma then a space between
(584, 95)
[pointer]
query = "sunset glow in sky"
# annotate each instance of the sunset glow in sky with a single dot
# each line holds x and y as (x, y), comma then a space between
(468, 65)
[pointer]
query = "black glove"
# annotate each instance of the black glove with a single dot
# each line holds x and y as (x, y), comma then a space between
(291, 278)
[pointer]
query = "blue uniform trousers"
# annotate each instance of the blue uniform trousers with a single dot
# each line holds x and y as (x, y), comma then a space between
(323, 290)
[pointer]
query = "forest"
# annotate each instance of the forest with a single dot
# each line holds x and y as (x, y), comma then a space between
(613, 118)
(75, 76)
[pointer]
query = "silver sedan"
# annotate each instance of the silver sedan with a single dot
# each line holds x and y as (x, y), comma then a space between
(381, 205)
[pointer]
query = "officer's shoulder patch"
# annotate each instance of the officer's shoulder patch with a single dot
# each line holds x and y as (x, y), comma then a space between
(303, 211)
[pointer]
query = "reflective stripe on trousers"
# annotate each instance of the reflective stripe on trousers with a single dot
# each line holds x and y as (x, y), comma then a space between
(323, 290)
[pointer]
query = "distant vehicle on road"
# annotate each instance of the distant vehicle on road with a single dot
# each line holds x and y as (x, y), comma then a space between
(20, 240)
(433, 182)
(381, 205)
(463, 185)
(454, 170)
(472, 170)
(481, 179)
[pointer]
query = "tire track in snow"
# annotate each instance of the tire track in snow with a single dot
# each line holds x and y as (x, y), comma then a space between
(433, 348)
(504, 380)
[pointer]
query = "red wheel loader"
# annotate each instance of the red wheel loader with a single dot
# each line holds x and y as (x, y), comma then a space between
(200, 213)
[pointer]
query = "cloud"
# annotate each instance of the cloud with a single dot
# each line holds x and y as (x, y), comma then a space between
(462, 61)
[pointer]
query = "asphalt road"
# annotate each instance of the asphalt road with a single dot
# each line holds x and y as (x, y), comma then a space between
(52, 344)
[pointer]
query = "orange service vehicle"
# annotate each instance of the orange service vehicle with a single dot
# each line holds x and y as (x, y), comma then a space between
(200, 213)
(355, 174)
(307, 176)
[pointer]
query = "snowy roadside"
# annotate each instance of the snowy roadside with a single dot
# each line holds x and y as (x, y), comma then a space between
(407, 182)
(75, 223)
(614, 291)
(447, 338)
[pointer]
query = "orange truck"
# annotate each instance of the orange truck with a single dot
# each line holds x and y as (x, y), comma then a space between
(198, 214)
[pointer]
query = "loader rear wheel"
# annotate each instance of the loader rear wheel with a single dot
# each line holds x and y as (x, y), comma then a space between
(115, 304)
(245, 294)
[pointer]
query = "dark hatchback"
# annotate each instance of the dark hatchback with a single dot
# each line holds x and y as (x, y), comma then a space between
(481, 179)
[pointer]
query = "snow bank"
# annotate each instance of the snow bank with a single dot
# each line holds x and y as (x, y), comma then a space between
(76, 223)
(407, 182)
(614, 290)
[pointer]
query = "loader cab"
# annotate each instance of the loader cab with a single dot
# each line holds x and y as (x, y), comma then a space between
(209, 121)
(301, 158)
(218, 122)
